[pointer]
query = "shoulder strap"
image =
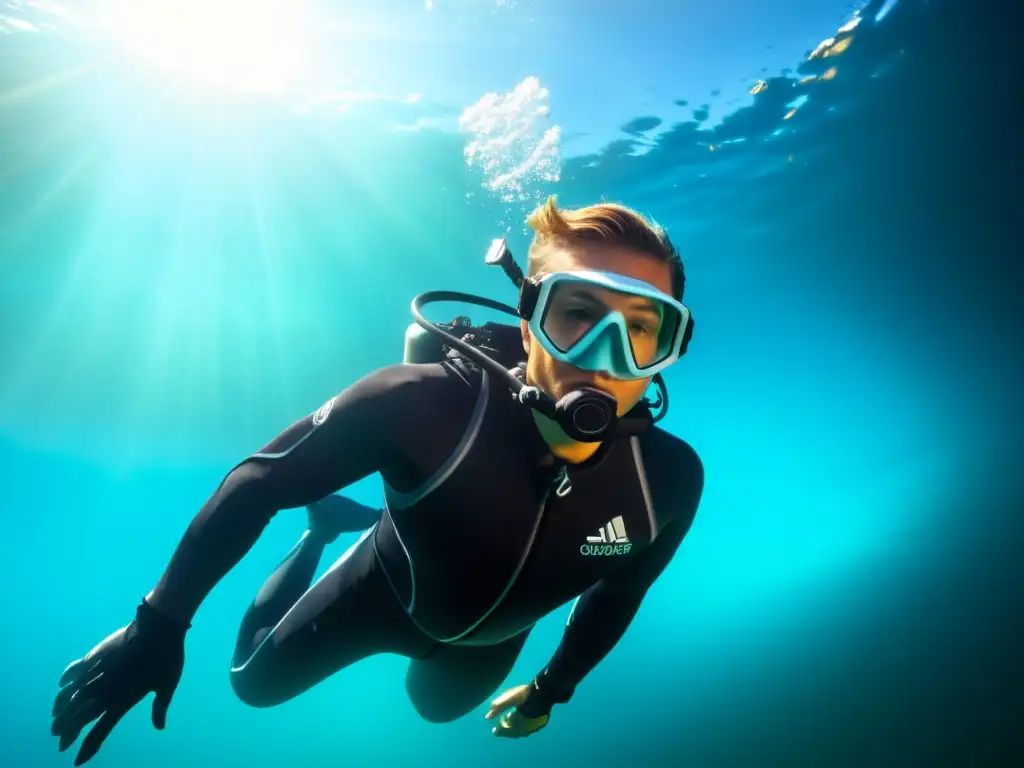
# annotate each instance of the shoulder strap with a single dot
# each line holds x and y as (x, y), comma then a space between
(499, 341)
(462, 367)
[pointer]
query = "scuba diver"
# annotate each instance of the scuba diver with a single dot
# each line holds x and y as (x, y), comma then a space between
(521, 467)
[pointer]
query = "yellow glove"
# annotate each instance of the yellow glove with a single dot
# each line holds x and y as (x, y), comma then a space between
(514, 724)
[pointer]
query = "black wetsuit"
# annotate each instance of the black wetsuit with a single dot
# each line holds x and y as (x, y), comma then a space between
(482, 535)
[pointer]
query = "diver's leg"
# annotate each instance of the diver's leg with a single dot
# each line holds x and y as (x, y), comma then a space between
(454, 680)
(350, 613)
(278, 594)
(328, 518)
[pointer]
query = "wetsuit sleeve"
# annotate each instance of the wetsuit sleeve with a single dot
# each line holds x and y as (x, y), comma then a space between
(351, 436)
(604, 612)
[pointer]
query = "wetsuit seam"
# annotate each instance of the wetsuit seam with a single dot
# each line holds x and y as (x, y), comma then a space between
(462, 449)
(280, 454)
(394, 590)
(406, 500)
(514, 578)
(494, 606)
(443, 473)
(412, 568)
(644, 487)
(572, 611)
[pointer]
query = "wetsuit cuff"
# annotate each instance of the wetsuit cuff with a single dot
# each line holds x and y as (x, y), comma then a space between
(150, 616)
(536, 704)
(545, 693)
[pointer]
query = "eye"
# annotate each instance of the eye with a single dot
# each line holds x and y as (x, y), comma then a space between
(640, 328)
(579, 315)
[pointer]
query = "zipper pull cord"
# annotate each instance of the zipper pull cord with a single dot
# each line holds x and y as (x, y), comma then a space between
(564, 483)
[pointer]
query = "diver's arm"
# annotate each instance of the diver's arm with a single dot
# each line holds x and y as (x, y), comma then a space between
(604, 612)
(350, 437)
(599, 619)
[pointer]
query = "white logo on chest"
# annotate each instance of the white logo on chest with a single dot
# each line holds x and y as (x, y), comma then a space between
(611, 539)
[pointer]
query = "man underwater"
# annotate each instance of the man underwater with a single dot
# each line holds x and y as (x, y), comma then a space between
(498, 509)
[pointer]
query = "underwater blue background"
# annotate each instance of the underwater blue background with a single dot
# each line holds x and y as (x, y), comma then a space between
(184, 271)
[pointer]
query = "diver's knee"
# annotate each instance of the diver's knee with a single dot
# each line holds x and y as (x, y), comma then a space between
(249, 691)
(437, 715)
(435, 707)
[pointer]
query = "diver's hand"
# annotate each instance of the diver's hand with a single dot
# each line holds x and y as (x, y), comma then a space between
(145, 656)
(514, 724)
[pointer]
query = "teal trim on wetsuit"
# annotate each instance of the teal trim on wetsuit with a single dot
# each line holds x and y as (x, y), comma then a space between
(487, 552)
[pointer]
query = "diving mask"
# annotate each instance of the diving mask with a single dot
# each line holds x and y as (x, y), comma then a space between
(603, 321)
(598, 321)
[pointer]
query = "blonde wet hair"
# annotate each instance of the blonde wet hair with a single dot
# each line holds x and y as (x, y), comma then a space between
(607, 224)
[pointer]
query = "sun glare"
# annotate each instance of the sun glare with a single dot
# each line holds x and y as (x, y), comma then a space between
(251, 45)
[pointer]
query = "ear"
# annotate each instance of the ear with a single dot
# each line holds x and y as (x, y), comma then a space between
(524, 330)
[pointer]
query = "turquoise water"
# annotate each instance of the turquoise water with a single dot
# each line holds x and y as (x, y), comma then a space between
(195, 255)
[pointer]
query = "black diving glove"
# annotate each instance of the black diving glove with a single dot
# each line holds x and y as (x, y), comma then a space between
(146, 656)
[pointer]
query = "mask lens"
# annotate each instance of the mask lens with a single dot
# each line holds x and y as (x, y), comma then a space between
(661, 343)
(574, 308)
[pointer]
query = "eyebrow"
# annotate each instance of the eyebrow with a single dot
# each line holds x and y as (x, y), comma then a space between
(645, 306)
